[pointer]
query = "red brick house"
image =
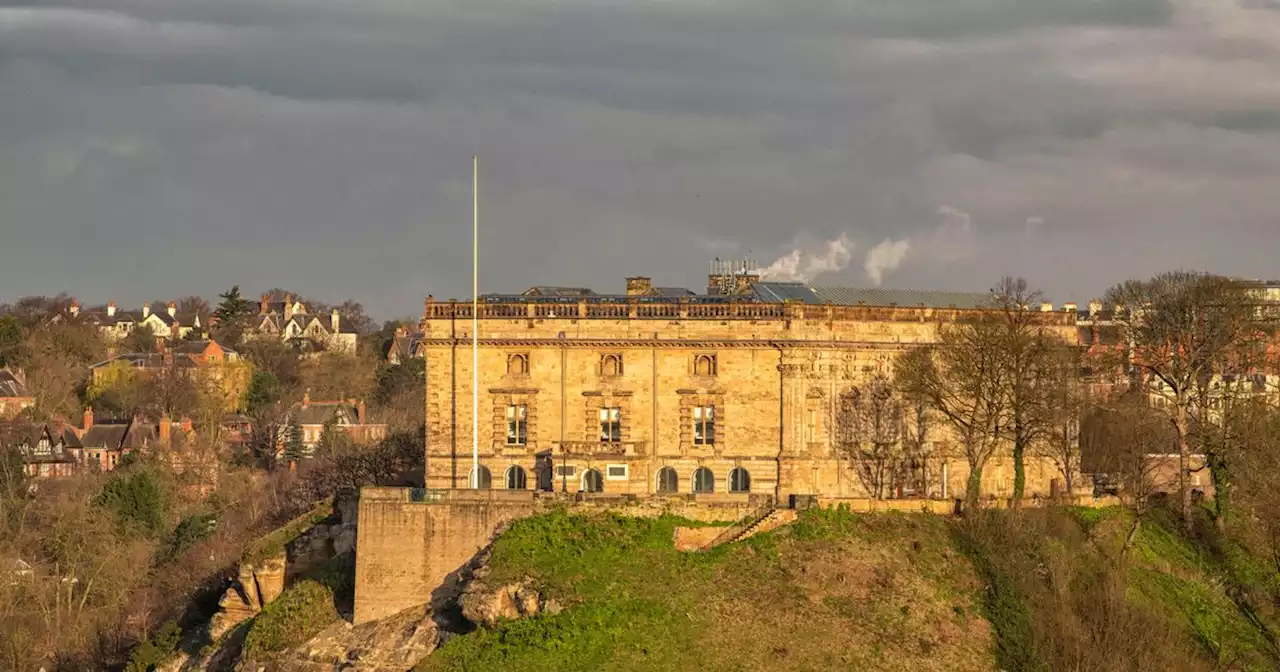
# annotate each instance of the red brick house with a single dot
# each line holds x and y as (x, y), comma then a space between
(348, 416)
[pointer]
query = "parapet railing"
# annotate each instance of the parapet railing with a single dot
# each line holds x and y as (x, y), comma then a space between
(648, 309)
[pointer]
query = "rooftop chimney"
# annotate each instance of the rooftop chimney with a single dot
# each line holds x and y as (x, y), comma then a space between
(638, 285)
(146, 310)
(1070, 308)
(306, 398)
(111, 309)
(75, 307)
(1046, 307)
(361, 413)
(173, 309)
(264, 304)
(1095, 307)
(335, 320)
(88, 418)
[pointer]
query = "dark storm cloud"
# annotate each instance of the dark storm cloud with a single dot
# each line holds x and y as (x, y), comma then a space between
(324, 145)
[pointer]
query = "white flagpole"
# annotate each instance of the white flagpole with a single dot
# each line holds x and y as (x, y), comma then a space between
(475, 323)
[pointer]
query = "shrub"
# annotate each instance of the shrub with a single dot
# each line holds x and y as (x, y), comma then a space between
(137, 500)
(155, 650)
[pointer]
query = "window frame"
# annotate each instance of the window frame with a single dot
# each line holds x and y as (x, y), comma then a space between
(696, 485)
(704, 418)
(517, 417)
(610, 424)
(734, 480)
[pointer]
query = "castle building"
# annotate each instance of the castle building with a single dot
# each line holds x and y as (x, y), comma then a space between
(662, 391)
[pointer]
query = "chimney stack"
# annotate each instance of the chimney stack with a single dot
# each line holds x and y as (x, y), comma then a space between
(111, 309)
(638, 285)
(288, 307)
(361, 414)
(1046, 307)
(1070, 308)
(173, 309)
(265, 304)
(1095, 307)
(146, 310)
(88, 418)
(75, 308)
(335, 320)
(306, 398)
(166, 429)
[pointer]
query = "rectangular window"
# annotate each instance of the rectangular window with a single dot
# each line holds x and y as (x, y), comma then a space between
(517, 427)
(616, 472)
(610, 425)
(704, 425)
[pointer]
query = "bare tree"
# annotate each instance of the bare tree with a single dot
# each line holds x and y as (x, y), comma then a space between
(1180, 332)
(917, 445)
(1026, 349)
(1064, 403)
(1126, 443)
(964, 379)
(869, 424)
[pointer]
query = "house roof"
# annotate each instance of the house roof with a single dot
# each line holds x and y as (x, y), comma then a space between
(198, 347)
(876, 296)
(146, 360)
(673, 291)
(10, 386)
(320, 412)
(547, 290)
(112, 435)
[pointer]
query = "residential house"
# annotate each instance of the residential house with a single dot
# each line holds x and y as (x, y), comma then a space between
(405, 345)
(48, 450)
(115, 324)
(104, 444)
(348, 416)
(286, 318)
(14, 397)
(205, 359)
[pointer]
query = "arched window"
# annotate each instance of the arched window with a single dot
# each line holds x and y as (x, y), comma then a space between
(611, 365)
(484, 482)
(592, 481)
(516, 479)
(517, 365)
(739, 480)
(704, 365)
(703, 480)
(668, 481)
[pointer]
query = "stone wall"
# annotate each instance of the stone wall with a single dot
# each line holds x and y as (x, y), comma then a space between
(411, 541)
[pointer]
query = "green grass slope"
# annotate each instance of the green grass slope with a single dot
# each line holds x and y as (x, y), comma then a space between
(833, 591)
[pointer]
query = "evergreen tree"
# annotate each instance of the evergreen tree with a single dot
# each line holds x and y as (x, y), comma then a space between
(231, 318)
(294, 451)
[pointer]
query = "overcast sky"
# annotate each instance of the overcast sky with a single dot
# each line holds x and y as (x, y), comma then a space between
(156, 148)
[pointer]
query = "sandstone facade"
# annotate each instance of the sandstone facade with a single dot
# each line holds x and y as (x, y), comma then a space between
(587, 394)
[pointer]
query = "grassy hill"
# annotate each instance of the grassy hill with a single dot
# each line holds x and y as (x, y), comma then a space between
(833, 591)
(1039, 590)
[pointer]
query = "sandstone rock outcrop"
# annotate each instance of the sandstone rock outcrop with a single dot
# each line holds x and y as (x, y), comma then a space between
(395, 643)
(485, 605)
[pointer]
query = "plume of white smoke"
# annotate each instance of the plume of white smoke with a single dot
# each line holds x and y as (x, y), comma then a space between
(884, 257)
(802, 266)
